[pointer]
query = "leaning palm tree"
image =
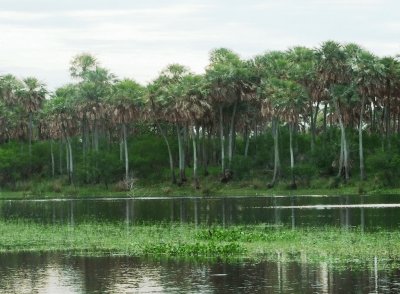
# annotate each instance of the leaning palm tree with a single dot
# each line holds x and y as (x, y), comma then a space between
(163, 99)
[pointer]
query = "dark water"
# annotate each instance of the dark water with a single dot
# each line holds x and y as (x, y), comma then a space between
(61, 273)
(57, 273)
(368, 212)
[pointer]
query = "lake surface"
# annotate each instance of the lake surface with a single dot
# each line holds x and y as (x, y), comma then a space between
(367, 212)
(63, 273)
(59, 273)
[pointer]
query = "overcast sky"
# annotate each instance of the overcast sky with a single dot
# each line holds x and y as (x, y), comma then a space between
(136, 39)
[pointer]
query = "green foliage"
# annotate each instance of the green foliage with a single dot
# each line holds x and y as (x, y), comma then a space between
(384, 167)
(242, 167)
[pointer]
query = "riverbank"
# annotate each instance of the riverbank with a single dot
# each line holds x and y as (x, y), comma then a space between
(55, 189)
(333, 245)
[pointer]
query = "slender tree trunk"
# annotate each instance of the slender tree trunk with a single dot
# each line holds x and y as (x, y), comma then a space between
(182, 176)
(96, 137)
(186, 148)
(60, 155)
(195, 173)
(360, 141)
(231, 133)
(121, 149)
(277, 164)
(125, 152)
(71, 162)
(30, 137)
(291, 155)
(325, 114)
(171, 159)
(67, 158)
(341, 155)
(52, 158)
(246, 148)
(205, 151)
(313, 125)
(221, 130)
(345, 147)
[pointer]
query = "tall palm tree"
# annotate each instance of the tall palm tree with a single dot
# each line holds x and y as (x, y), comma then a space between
(226, 76)
(367, 76)
(61, 107)
(193, 106)
(164, 99)
(273, 67)
(126, 106)
(31, 97)
(333, 74)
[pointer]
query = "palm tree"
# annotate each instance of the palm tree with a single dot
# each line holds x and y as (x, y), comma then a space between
(367, 76)
(31, 97)
(192, 105)
(273, 67)
(227, 77)
(126, 106)
(333, 75)
(61, 107)
(164, 99)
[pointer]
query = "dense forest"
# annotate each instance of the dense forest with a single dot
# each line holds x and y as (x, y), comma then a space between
(294, 116)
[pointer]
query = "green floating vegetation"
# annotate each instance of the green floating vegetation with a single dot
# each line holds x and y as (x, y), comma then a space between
(334, 245)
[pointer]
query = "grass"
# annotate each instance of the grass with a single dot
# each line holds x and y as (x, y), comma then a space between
(332, 245)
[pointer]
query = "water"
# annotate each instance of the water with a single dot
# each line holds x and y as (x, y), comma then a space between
(63, 273)
(367, 212)
(58, 273)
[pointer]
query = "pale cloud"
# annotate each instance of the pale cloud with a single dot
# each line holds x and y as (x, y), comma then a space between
(137, 39)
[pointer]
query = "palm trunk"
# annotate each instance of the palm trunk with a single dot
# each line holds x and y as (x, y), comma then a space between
(171, 159)
(70, 163)
(360, 141)
(30, 136)
(246, 148)
(221, 130)
(182, 176)
(291, 155)
(52, 158)
(325, 113)
(345, 147)
(195, 173)
(231, 133)
(96, 137)
(341, 155)
(126, 152)
(60, 155)
(121, 150)
(205, 151)
(277, 165)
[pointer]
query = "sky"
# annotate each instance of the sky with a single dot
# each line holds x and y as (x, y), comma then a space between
(137, 39)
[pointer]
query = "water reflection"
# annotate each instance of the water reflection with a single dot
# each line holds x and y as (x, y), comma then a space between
(342, 211)
(57, 273)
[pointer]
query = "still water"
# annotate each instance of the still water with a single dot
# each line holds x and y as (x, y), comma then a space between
(368, 212)
(59, 273)
(63, 273)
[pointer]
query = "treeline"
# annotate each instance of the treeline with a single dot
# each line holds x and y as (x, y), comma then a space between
(296, 114)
